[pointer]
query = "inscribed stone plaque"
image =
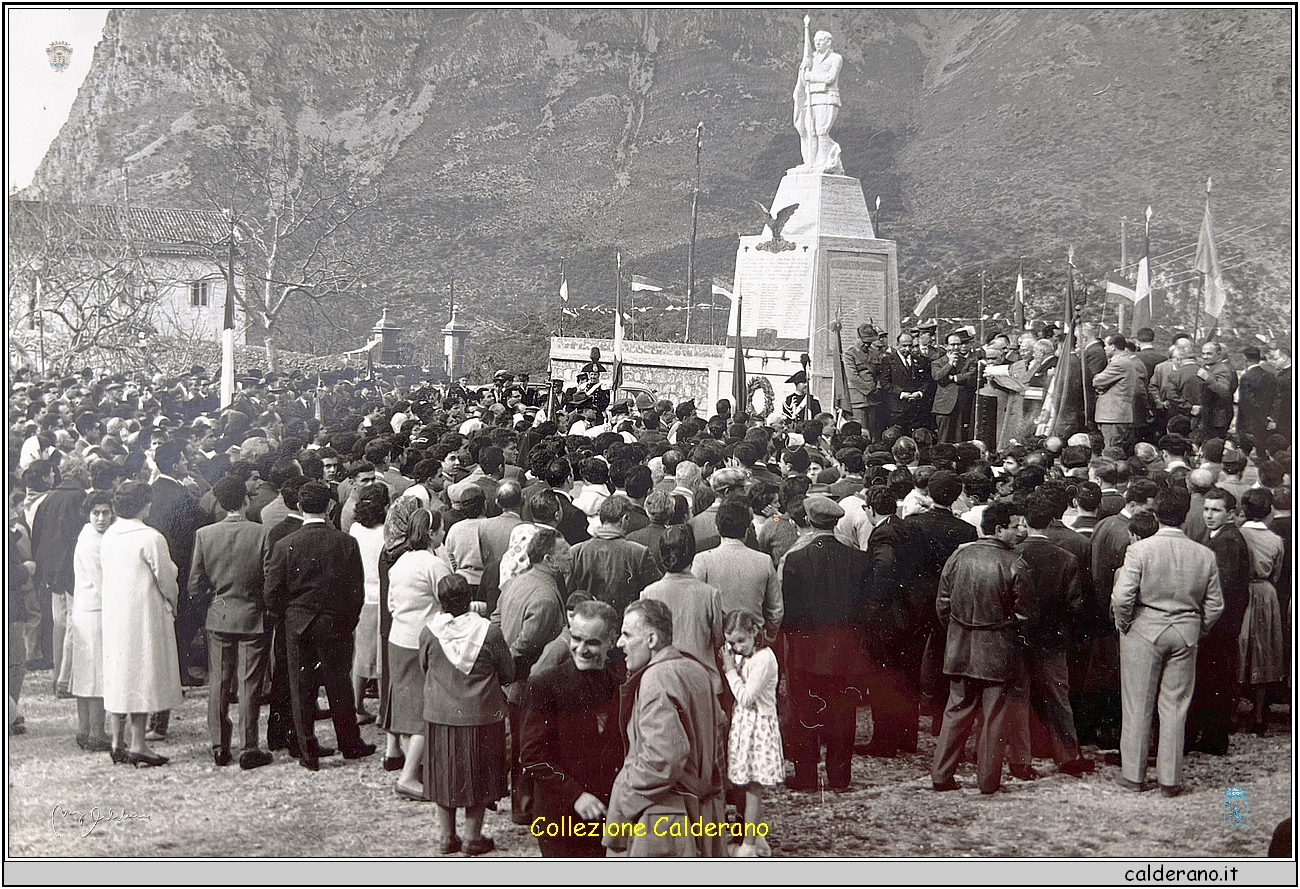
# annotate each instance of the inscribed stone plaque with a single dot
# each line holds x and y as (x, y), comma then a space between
(857, 287)
(776, 289)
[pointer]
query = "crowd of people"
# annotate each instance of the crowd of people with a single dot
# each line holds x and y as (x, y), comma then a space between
(627, 617)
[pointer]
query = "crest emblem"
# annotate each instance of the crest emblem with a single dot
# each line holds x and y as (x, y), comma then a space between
(60, 55)
(775, 223)
(1236, 807)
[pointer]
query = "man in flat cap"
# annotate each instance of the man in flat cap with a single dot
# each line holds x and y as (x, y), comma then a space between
(825, 584)
(800, 405)
(867, 380)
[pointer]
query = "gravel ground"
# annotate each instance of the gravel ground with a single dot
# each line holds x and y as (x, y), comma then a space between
(191, 808)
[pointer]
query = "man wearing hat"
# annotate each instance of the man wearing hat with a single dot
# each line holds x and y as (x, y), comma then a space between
(799, 405)
(925, 340)
(824, 584)
(867, 380)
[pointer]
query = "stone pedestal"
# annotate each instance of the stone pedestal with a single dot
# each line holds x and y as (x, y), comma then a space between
(454, 335)
(828, 265)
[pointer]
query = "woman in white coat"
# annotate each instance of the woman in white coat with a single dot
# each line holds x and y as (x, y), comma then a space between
(87, 630)
(141, 673)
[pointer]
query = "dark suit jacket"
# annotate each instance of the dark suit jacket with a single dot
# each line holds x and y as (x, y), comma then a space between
(1257, 389)
(905, 378)
(316, 570)
(825, 585)
(1233, 555)
(177, 517)
(228, 565)
(955, 383)
(1048, 595)
(1216, 395)
(55, 528)
(932, 537)
(571, 743)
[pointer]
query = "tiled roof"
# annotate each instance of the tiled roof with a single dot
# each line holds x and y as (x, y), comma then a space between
(163, 227)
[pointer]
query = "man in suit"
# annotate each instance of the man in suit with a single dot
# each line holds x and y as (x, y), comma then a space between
(1167, 597)
(1256, 392)
(908, 375)
(983, 655)
(1099, 716)
(745, 577)
(954, 374)
(316, 581)
(176, 515)
(1049, 595)
(494, 533)
(279, 717)
(1173, 386)
(1094, 361)
(825, 584)
(932, 537)
(1218, 383)
(571, 749)
(1209, 721)
(228, 569)
(1280, 358)
(1116, 387)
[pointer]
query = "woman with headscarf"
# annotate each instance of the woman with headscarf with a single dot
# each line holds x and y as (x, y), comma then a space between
(412, 603)
(466, 663)
(141, 669)
(396, 529)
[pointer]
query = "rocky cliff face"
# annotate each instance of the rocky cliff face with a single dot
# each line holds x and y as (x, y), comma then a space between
(507, 139)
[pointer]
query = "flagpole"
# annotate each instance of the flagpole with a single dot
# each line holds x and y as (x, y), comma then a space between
(695, 215)
(1123, 265)
(565, 290)
(227, 325)
(617, 372)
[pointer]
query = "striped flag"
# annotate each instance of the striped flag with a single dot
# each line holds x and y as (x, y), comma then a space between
(1207, 263)
(639, 283)
(228, 331)
(722, 287)
(564, 285)
(924, 302)
(1116, 285)
(1142, 302)
(1018, 303)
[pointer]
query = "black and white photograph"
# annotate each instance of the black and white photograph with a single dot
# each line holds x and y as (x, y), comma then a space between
(458, 436)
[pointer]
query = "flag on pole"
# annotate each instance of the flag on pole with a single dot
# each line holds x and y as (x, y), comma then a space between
(1117, 286)
(1142, 304)
(1018, 303)
(564, 285)
(639, 283)
(228, 330)
(722, 287)
(1207, 263)
(739, 385)
(924, 302)
(617, 377)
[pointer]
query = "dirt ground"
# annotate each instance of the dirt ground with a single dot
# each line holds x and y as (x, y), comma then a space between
(191, 808)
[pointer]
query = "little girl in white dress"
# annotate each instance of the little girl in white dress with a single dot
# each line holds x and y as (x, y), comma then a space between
(754, 755)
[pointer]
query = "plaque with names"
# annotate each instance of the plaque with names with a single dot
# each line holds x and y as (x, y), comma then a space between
(777, 292)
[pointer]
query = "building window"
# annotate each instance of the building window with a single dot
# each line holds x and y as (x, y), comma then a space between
(199, 293)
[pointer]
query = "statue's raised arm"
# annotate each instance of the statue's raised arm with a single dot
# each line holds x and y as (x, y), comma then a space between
(817, 104)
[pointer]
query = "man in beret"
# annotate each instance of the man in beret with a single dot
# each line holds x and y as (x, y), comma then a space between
(825, 585)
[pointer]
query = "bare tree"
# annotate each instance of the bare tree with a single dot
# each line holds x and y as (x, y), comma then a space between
(297, 204)
(83, 288)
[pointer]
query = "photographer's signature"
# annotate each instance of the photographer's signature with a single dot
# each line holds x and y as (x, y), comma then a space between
(88, 820)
